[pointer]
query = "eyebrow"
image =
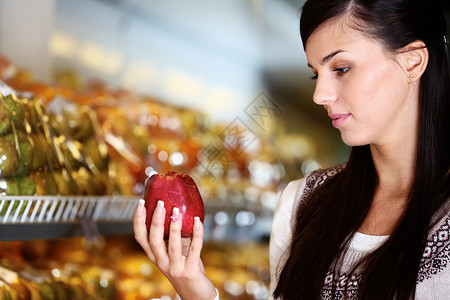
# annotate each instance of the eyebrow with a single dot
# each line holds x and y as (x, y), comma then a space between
(328, 57)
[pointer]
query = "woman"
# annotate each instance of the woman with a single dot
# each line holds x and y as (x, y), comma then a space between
(378, 227)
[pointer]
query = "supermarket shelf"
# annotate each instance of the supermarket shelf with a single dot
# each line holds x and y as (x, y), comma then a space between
(14, 232)
(215, 206)
(53, 217)
(59, 209)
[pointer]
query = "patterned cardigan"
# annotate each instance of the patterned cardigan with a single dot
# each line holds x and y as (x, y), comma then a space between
(433, 280)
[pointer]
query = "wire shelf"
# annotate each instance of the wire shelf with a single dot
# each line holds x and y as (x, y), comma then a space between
(67, 209)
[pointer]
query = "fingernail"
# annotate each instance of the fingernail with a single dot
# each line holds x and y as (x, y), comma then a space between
(197, 223)
(140, 209)
(159, 208)
(175, 214)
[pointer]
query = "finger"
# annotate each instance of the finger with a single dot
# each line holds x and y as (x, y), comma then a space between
(196, 244)
(185, 243)
(140, 229)
(156, 235)
(174, 247)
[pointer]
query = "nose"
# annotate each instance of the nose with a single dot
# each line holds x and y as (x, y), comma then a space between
(324, 92)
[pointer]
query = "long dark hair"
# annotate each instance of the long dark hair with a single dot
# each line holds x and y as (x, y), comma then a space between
(335, 210)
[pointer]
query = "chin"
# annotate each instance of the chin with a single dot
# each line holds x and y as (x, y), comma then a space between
(353, 141)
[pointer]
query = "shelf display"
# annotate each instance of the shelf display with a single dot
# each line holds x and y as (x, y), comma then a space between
(106, 142)
(74, 163)
(38, 217)
(72, 269)
(54, 209)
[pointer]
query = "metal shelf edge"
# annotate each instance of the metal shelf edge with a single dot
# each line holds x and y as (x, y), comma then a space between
(14, 232)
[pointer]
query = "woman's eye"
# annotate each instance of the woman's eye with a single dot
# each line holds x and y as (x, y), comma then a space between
(341, 71)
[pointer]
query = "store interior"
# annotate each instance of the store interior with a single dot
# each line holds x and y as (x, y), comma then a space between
(101, 94)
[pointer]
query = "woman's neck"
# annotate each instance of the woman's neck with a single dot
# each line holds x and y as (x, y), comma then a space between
(395, 163)
(395, 171)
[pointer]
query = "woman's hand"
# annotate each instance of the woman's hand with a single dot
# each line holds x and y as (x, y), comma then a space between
(180, 261)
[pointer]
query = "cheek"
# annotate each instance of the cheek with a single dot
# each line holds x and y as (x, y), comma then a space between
(374, 80)
(375, 87)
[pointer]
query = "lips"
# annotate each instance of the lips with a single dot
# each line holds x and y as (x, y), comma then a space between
(338, 119)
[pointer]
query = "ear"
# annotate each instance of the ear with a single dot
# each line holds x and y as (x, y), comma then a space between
(414, 59)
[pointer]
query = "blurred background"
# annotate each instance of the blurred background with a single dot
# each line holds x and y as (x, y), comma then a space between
(114, 90)
(214, 56)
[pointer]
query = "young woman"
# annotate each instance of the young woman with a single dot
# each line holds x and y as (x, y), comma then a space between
(379, 226)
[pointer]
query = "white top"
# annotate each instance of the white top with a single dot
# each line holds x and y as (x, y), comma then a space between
(366, 243)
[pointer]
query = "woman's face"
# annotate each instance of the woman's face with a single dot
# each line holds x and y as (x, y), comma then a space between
(364, 89)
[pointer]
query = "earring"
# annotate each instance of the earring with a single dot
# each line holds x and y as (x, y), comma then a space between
(411, 75)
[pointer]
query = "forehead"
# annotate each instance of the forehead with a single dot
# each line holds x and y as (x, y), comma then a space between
(338, 34)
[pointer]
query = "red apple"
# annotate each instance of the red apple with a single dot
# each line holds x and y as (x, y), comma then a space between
(176, 190)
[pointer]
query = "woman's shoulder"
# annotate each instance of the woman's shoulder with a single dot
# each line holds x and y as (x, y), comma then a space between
(434, 271)
(318, 177)
(298, 190)
(284, 217)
